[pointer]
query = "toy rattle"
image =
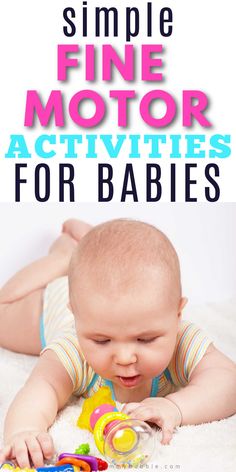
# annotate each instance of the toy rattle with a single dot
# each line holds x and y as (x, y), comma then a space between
(121, 439)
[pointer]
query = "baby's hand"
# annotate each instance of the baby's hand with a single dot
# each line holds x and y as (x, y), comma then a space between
(160, 411)
(28, 448)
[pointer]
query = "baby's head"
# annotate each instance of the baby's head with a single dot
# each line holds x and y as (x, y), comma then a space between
(125, 294)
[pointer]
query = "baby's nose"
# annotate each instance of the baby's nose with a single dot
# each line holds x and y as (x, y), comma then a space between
(125, 356)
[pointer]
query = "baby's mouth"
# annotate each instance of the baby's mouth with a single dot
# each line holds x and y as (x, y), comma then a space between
(130, 381)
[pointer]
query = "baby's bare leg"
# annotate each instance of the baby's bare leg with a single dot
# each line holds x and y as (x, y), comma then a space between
(21, 298)
(39, 273)
(20, 324)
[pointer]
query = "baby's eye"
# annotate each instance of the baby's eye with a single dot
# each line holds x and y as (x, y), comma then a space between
(102, 341)
(147, 340)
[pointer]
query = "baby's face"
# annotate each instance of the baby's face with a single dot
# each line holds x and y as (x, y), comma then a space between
(127, 338)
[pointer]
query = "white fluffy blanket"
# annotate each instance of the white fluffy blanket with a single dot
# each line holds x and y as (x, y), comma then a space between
(208, 447)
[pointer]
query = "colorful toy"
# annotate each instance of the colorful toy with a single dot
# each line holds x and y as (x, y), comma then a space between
(84, 462)
(67, 462)
(83, 449)
(124, 441)
(120, 439)
(10, 467)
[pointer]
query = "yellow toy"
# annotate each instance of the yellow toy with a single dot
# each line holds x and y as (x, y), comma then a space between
(121, 439)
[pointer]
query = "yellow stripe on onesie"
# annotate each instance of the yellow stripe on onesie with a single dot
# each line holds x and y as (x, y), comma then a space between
(60, 335)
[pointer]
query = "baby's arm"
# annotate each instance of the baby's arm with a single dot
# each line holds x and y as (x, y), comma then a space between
(211, 392)
(210, 395)
(33, 411)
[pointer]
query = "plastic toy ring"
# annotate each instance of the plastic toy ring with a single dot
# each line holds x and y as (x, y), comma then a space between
(76, 462)
(92, 461)
(102, 423)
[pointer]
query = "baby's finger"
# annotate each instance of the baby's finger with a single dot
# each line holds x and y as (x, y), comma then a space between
(129, 407)
(5, 453)
(167, 433)
(35, 451)
(21, 454)
(143, 413)
(46, 444)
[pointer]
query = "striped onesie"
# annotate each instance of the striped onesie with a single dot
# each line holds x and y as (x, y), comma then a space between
(57, 331)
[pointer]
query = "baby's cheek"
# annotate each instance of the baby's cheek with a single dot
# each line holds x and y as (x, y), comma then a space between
(87, 350)
(156, 362)
(97, 361)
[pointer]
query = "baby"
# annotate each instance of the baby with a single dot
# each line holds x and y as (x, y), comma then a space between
(107, 311)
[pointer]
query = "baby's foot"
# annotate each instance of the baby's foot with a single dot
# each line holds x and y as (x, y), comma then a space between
(76, 228)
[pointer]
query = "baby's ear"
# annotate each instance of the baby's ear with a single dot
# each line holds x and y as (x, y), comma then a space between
(183, 302)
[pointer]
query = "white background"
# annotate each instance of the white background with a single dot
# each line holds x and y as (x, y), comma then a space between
(199, 55)
(204, 236)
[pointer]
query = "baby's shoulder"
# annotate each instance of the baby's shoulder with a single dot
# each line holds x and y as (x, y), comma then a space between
(69, 352)
(191, 345)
